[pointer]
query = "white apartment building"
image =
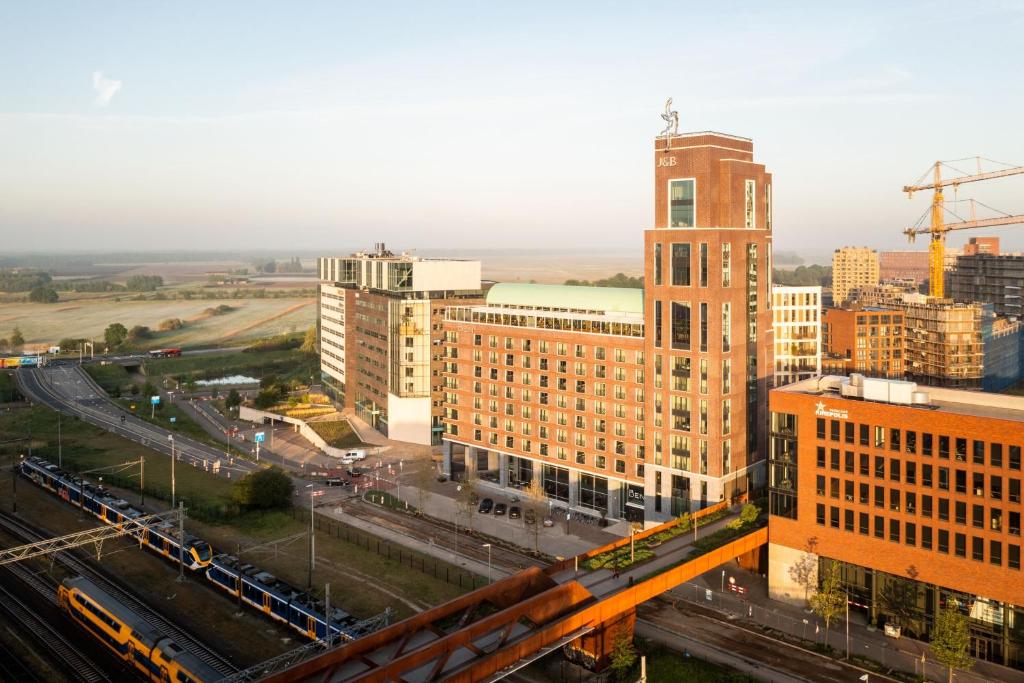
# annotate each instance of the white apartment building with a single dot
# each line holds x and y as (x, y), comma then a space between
(796, 320)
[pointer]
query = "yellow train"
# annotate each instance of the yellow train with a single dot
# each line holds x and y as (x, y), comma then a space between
(130, 637)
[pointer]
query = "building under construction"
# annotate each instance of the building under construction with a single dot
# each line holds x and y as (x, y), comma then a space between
(942, 342)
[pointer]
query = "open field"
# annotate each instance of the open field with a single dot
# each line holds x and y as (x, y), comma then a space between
(286, 364)
(251, 319)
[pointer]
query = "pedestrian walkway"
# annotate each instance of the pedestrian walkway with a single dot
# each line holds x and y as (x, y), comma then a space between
(754, 609)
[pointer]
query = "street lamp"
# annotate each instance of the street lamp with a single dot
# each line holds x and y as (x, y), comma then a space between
(170, 437)
(488, 546)
(312, 537)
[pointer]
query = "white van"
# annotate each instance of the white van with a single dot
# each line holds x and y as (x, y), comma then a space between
(356, 454)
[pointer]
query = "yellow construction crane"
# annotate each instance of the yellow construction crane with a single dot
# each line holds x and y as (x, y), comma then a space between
(938, 227)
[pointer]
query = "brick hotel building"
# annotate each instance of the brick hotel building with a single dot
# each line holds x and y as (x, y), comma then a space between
(916, 494)
(635, 404)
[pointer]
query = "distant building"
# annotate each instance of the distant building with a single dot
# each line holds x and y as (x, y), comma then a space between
(903, 265)
(863, 339)
(852, 267)
(1003, 341)
(982, 245)
(884, 295)
(381, 334)
(796, 319)
(992, 279)
(911, 491)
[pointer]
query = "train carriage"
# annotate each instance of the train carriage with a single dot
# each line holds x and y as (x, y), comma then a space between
(278, 600)
(128, 636)
(162, 537)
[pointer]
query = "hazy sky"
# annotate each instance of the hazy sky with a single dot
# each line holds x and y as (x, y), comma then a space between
(321, 125)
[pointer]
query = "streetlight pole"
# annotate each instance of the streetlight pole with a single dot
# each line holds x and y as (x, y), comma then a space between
(312, 538)
(488, 546)
(170, 437)
(60, 448)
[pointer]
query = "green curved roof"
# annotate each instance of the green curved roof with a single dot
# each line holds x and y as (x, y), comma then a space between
(608, 299)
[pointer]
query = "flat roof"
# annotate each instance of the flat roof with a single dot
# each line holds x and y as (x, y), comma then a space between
(567, 297)
(957, 401)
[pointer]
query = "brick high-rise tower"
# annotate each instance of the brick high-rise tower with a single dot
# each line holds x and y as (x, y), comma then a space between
(707, 300)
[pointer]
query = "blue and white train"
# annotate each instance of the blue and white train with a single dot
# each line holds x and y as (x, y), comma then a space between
(259, 589)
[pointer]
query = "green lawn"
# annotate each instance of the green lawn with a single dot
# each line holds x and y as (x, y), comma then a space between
(110, 377)
(7, 387)
(666, 665)
(85, 447)
(337, 433)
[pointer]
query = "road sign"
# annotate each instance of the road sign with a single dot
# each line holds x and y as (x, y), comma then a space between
(154, 400)
(259, 437)
(173, 419)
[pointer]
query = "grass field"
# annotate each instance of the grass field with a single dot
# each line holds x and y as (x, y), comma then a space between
(363, 582)
(110, 377)
(290, 364)
(251, 319)
(6, 387)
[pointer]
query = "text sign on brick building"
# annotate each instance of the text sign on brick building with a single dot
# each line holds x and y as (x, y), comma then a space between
(821, 410)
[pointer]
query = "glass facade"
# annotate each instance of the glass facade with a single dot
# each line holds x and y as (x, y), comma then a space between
(593, 492)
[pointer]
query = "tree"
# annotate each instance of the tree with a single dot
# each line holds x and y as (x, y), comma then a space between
(264, 489)
(43, 295)
(144, 283)
(16, 340)
(4, 344)
(267, 398)
(70, 344)
(829, 601)
(149, 390)
(804, 572)
(423, 478)
(171, 324)
(466, 498)
(950, 639)
(115, 334)
(749, 513)
(139, 333)
(623, 655)
(535, 499)
(898, 597)
(309, 343)
(234, 399)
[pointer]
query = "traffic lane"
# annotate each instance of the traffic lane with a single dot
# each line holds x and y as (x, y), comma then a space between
(106, 415)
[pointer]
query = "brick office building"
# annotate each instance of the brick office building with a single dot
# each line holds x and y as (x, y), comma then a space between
(705, 330)
(917, 494)
(903, 265)
(864, 339)
(381, 332)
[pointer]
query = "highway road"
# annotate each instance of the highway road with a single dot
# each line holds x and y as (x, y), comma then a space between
(71, 391)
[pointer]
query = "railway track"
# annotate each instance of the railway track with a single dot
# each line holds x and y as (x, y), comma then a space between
(443, 536)
(202, 651)
(57, 646)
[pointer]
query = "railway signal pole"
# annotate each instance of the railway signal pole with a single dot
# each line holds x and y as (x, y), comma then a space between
(170, 437)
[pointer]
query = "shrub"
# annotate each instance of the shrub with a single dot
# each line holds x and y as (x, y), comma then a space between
(43, 295)
(171, 324)
(264, 489)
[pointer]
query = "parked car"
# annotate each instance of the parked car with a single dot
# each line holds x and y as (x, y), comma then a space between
(548, 521)
(348, 461)
(499, 509)
(531, 516)
(353, 472)
(356, 454)
(514, 512)
(486, 505)
(336, 481)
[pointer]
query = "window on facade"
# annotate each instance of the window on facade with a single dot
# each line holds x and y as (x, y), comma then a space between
(681, 203)
(680, 326)
(726, 326)
(702, 270)
(703, 326)
(727, 264)
(657, 324)
(681, 265)
(657, 263)
(748, 215)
